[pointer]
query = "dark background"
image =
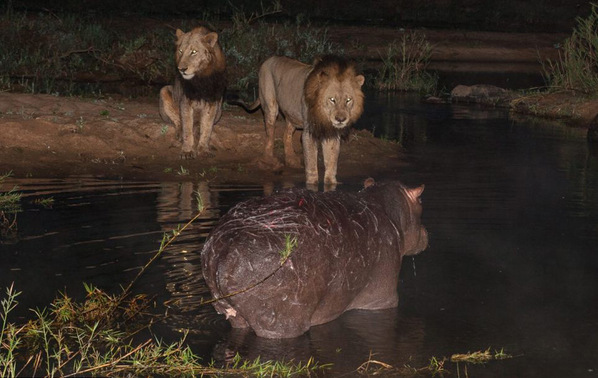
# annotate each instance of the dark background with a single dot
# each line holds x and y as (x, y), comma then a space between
(491, 15)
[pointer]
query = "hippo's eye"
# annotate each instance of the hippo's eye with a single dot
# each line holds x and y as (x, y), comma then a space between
(193, 52)
(332, 100)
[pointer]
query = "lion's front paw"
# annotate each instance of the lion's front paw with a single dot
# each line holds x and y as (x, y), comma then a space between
(187, 155)
(205, 154)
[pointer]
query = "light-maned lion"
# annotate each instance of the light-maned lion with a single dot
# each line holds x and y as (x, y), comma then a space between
(197, 91)
(323, 99)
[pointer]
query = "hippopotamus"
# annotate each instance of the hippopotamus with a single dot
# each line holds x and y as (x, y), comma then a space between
(286, 262)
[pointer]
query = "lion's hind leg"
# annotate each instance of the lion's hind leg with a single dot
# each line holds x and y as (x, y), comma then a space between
(270, 109)
(169, 109)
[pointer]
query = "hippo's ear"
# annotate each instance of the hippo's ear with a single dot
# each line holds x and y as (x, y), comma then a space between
(415, 193)
(368, 182)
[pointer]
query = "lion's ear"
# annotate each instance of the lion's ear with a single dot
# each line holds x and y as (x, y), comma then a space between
(179, 33)
(211, 39)
(360, 79)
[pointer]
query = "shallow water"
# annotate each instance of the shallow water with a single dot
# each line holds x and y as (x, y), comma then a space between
(511, 207)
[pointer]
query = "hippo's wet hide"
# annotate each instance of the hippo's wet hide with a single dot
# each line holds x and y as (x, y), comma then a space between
(347, 256)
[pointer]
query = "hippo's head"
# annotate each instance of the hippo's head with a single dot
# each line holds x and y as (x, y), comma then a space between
(415, 236)
(403, 206)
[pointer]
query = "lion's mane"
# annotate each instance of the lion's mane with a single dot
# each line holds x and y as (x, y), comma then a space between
(326, 70)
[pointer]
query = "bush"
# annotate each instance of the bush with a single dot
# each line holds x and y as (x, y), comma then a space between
(404, 66)
(577, 66)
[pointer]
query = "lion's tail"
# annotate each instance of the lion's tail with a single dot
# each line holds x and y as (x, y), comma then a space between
(235, 100)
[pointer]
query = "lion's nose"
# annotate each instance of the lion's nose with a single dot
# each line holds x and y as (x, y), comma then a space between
(182, 69)
(340, 118)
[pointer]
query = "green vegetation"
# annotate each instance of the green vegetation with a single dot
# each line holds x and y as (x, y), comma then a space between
(290, 245)
(45, 202)
(100, 336)
(183, 171)
(67, 54)
(72, 55)
(404, 66)
(577, 66)
(96, 337)
(250, 41)
(9, 200)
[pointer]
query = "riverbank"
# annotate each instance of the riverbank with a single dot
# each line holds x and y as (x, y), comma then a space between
(49, 136)
(117, 137)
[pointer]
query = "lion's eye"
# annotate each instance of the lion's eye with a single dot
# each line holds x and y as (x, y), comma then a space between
(181, 51)
(348, 100)
(193, 52)
(332, 100)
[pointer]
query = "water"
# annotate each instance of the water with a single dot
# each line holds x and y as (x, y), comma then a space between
(511, 206)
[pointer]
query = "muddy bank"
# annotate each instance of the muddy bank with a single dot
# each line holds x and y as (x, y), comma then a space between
(49, 136)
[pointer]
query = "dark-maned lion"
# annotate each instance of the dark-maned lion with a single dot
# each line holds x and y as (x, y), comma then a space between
(323, 99)
(197, 91)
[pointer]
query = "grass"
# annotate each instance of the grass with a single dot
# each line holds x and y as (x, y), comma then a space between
(9, 200)
(69, 54)
(480, 357)
(404, 66)
(98, 337)
(251, 40)
(290, 245)
(577, 66)
(74, 55)
(64, 54)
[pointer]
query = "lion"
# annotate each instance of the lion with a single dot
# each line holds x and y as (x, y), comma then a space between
(198, 89)
(323, 99)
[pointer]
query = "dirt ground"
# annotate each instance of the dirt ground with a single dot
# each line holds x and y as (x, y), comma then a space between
(48, 136)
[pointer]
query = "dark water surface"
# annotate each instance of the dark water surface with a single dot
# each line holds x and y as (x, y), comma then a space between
(511, 207)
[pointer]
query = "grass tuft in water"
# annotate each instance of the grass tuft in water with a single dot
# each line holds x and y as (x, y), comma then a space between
(9, 200)
(480, 357)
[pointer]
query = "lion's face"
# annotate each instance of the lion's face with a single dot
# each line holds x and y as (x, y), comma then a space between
(195, 52)
(333, 96)
(340, 101)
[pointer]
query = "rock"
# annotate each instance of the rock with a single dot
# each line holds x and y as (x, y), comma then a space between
(482, 94)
